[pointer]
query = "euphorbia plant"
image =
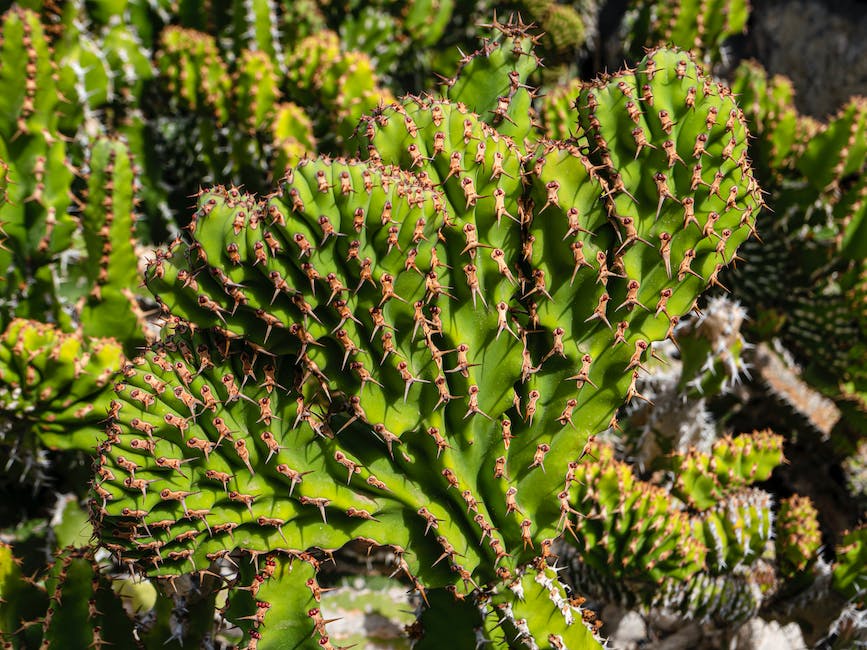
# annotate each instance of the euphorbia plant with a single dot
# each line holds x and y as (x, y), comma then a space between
(415, 347)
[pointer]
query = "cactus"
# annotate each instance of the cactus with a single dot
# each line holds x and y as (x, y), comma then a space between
(385, 349)
(565, 27)
(39, 230)
(675, 547)
(813, 172)
(77, 605)
(55, 386)
(849, 570)
(108, 219)
(704, 479)
(556, 110)
(712, 348)
(798, 537)
(337, 86)
(699, 25)
(404, 40)
(375, 351)
(37, 225)
(672, 544)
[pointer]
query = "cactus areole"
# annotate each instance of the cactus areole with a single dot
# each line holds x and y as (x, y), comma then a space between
(416, 347)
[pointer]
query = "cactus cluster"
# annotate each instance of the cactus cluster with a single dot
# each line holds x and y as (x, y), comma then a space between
(814, 173)
(675, 546)
(42, 237)
(431, 330)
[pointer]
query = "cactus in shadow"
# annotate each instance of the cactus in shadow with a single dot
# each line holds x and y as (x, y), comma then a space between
(413, 349)
(68, 602)
(814, 173)
(702, 26)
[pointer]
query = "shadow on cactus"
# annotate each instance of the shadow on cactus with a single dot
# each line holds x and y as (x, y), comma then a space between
(415, 348)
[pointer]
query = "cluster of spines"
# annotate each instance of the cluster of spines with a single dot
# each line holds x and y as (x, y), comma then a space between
(730, 597)
(712, 348)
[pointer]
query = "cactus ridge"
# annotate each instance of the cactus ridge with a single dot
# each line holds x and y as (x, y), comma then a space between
(405, 348)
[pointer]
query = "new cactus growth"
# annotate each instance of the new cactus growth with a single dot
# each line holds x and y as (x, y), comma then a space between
(415, 348)
(798, 537)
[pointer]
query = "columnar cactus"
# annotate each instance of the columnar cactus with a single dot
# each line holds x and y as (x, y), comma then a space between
(35, 207)
(700, 25)
(415, 348)
(815, 248)
(110, 308)
(40, 231)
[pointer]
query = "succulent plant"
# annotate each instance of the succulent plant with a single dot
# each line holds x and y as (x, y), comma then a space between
(814, 174)
(414, 348)
(55, 386)
(702, 26)
(41, 235)
(677, 546)
(238, 110)
(711, 348)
